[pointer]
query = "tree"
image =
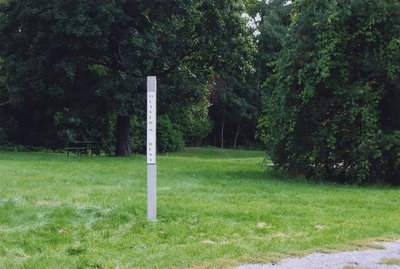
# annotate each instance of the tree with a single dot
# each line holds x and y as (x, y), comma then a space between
(234, 91)
(70, 63)
(48, 49)
(333, 113)
(275, 21)
(235, 106)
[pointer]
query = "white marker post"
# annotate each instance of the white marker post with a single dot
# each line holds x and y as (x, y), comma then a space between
(151, 148)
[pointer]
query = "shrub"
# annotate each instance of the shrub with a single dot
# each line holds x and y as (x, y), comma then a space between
(195, 124)
(333, 112)
(169, 138)
(138, 135)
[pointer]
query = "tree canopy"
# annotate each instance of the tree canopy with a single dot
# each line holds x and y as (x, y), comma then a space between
(333, 112)
(78, 68)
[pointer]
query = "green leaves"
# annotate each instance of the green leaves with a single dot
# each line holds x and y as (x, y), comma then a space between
(330, 100)
(88, 60)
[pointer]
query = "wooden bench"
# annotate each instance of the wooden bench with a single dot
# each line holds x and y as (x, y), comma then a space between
(83, 147)
(77, 150)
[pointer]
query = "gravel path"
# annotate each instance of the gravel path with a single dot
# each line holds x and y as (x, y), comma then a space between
(370, 258)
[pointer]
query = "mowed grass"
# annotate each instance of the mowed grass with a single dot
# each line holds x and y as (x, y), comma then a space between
(216, 209)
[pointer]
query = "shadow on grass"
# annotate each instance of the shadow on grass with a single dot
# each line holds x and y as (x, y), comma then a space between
(216, 153)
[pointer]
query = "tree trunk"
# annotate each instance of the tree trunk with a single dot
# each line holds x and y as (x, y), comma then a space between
(222, 130)
(237, 134)
(122, 134)
(215, 136)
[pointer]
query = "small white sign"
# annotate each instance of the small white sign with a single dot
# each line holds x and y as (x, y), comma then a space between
(151, 119)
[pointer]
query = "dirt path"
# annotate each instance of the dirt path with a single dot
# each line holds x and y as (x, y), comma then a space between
(371, 258)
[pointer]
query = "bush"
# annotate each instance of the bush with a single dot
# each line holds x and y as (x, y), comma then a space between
(28, 148)
(169, 138)
(138, 135)
(332, 113)
(195, 124)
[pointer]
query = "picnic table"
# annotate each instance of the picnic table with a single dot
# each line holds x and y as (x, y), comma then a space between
(83, 147)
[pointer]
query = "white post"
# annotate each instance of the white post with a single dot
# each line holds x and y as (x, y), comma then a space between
(151, 148)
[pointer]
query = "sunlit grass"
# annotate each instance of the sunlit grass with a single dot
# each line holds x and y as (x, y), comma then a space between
(390, 261)
(215, 208)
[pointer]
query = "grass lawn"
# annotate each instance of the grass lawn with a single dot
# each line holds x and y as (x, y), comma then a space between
(215, 209)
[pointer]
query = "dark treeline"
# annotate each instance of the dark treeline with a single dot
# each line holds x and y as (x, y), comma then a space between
(319, 82)
(76, 70)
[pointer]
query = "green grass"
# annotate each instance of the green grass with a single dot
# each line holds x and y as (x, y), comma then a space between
(215, 209)
(390, 261)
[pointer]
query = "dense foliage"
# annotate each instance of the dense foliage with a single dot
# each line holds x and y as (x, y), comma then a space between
(326, 74)
(77, 70)
(234, 96)
(332, 111)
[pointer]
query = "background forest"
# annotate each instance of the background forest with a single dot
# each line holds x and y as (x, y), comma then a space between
(314, 82)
